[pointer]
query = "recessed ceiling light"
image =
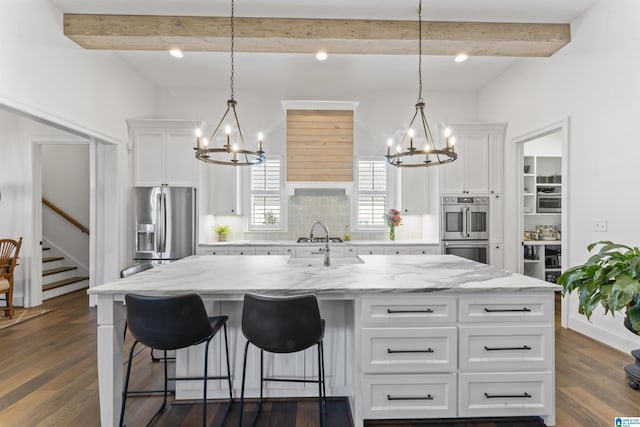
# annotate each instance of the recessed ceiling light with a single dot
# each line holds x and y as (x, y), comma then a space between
(461, 57)
(176, 53)
(321, 55)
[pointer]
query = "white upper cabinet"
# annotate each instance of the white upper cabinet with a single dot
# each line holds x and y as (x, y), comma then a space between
(479, 168)
(163, 152)
(224, 196)
(419, 191)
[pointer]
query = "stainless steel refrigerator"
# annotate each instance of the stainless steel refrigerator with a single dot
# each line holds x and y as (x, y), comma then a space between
(164, 223)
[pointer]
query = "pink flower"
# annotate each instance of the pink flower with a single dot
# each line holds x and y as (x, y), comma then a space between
(393, 218)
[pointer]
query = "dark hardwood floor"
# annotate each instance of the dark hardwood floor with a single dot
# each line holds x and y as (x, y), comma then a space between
(48, 377)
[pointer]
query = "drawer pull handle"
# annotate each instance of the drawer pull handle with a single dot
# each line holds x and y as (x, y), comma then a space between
(507, 310)
(427, 397)
(524, 347)
(429, 350)
(428, 310)
(507, 396)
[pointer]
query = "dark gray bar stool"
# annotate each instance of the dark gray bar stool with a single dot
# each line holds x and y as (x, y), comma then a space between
(283, 325)
(172, 323)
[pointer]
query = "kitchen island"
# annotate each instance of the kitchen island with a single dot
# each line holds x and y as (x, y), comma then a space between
(407, 336)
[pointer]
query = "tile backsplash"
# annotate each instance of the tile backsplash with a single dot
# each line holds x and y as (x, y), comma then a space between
(330, 206)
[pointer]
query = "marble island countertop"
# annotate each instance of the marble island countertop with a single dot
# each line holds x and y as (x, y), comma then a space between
(276, 275)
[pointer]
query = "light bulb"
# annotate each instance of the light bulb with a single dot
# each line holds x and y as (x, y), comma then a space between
(398, 149)
(390, 142)
(452, 140)
(234, 147)
(176, 53)
(447, 132)
(411, 133)
(260, 136)
(227, 129)
(205, 142)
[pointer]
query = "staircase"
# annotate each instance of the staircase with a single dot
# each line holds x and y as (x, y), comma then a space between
(60, 275)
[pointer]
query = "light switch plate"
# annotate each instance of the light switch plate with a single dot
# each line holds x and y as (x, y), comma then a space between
(600, 225)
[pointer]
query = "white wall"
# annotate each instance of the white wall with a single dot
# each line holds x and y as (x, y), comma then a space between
(593, 81)
(47, 76)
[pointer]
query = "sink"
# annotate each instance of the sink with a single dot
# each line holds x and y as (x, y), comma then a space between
(311, 262)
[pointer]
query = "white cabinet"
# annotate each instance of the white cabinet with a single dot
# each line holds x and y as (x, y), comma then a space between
(163, 152)
(460, 355)
(496, 218)
(542, 260)
(496, 255)
(224, 190)
(418, 191)
(480, 164)
(408, 356)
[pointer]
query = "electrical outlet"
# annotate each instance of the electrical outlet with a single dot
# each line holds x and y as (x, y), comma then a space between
(600, 225)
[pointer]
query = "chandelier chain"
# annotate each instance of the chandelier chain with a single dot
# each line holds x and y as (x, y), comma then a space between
(232, 46)
(420, 50)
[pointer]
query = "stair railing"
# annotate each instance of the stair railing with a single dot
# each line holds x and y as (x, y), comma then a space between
(65, 215)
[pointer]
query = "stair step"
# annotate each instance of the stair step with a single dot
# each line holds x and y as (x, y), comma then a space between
(57, 270)
(64, 282)
(52, 258)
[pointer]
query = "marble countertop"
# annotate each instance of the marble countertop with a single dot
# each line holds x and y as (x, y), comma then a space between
(250, 243)
(275, 275)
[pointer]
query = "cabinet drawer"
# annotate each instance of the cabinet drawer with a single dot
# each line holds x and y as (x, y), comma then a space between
(407, 350)
(409, 396)
(408, 310)
(397, 251)
(430, 250)
(211, 251)
(370, 251)
(506, 347)
(507, 308)
(242, 251)
(269, 251)
(503, 394)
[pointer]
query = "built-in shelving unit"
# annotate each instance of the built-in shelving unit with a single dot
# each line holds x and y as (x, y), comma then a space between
(541, 258)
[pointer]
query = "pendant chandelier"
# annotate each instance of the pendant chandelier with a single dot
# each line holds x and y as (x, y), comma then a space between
(406, 154)
(230, 153)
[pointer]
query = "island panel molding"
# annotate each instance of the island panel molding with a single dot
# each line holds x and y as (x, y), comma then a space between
(301, 35)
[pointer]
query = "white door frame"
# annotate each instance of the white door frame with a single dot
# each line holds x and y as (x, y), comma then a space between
(562, 127)
(33, 292)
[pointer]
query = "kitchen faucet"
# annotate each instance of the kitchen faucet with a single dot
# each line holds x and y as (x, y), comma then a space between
(325, 250)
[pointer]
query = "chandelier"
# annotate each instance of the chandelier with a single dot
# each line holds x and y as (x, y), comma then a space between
(406, 153)
(230, 153)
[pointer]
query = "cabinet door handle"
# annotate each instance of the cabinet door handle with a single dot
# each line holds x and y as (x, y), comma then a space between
(506, 310)
(427, 397)
(428, 310)
(524, 347)
(507, 396)
(429, 350)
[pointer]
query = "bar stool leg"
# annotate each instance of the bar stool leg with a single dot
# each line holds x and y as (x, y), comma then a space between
(244, 373)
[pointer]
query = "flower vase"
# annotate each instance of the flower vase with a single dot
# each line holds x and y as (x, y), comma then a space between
(392, 233)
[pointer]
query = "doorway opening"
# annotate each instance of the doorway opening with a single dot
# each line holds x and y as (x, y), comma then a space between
(542, 159)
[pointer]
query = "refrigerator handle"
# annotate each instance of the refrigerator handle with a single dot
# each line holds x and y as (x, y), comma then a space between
(163, 214)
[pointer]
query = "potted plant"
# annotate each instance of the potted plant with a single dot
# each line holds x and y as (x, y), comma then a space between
(610, 278)
(222, 231)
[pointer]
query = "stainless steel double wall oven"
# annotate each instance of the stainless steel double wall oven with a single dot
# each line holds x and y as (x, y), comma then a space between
(465, 227)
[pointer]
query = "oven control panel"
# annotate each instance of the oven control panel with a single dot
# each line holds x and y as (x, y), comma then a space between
(465, 200)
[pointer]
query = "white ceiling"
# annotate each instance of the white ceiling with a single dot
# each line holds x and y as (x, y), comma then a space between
(368, 71)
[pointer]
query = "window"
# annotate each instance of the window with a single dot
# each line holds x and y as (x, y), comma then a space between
(371, 194)
(266, 195)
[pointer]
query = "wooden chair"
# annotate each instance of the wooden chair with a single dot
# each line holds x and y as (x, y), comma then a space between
(9, 250)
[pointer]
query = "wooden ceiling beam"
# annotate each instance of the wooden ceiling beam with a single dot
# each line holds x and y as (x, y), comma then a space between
(296, 35)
